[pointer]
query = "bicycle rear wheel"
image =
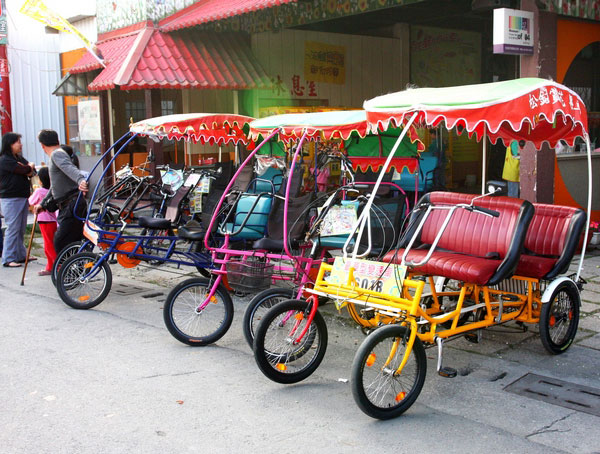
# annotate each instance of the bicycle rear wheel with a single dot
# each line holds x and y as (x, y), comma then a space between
(280, 350)
(79, 288)
(259, 305)
(559, 318)
(194, 326)
(378, 389)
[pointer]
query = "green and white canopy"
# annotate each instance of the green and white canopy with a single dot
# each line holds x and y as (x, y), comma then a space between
(536, 110)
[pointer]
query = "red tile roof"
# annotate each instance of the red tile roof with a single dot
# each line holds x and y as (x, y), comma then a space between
(205, 11)
(113, 51)
(190, 59)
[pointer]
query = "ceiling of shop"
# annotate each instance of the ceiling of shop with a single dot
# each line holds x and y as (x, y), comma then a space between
(453, 14)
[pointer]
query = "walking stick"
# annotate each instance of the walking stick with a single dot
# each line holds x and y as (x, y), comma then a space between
(29, 248)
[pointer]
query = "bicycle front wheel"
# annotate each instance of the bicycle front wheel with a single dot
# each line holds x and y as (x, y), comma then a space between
(378, 389)
(259, 305)
(69, 250)
(281, 350)
(80, 287)
(191, 323)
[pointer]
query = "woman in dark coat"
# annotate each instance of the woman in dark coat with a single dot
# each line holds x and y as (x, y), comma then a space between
(15, 172)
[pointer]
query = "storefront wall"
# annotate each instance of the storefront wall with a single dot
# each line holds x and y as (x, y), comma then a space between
(209, 101)
(325, 69)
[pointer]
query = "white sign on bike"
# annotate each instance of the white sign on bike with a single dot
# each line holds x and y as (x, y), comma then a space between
(204, 186)
(90, 234)
(385, 278)
(192, 180)
(339, 220)
(196, 202)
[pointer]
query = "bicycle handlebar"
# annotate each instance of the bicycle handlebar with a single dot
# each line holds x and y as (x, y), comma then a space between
(485, 211)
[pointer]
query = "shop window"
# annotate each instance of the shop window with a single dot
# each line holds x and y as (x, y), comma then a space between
(135, 110)
(167, 107)
(73, 128)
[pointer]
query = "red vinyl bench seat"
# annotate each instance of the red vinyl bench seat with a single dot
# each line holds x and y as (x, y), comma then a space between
(551, 241)
(474, 248)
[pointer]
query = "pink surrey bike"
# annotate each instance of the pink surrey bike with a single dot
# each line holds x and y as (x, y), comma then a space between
(199, 311)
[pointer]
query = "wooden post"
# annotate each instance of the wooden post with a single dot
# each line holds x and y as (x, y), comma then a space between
(537, 166)
(153, 109)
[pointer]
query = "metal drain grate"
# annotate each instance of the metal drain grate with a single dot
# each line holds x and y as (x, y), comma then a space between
(127, 289)
(558, 392)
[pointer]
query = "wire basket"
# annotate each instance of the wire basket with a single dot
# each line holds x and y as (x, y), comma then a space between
(250, 274)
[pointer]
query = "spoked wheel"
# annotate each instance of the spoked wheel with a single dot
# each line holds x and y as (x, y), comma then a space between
(65, 253)
(378, 389)
(282, 352)
(259, 305)
(559, 318)
(80, 287)
(193, 322)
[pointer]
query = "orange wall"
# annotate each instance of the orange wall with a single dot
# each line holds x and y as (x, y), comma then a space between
(67, 60)
(572, 37)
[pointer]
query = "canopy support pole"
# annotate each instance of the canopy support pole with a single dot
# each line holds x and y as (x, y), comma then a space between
(484, 164)
(589, 207)
(365, 216)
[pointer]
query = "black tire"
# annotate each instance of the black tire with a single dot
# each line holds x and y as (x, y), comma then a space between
(88, 294)
(68, 251)
(559, 318)
(259, 305)
(280, 359)
(199, 247)
(376, 389)
(193, 327)
(203, 271)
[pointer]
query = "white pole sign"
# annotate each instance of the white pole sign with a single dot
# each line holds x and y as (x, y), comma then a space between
(513, 32)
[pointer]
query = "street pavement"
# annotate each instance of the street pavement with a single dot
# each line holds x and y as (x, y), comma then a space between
(113, 380)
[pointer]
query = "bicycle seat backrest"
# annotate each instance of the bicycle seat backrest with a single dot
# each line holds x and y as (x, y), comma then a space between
(173, 210)
(551, 241)
(298, 217)
(473, 246)
(251, 211)
(227, 170)
(371, 177)
(386, 221)
(428, 162)
(270, 181)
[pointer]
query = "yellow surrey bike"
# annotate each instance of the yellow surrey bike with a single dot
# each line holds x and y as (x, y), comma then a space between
(485, 260)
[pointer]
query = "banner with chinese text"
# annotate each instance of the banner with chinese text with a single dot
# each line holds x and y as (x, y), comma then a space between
(324, 62)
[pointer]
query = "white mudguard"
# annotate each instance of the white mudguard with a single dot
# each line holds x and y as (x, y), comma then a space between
(552, 286)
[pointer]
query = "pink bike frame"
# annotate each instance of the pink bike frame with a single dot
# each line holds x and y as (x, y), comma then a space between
(302, 265)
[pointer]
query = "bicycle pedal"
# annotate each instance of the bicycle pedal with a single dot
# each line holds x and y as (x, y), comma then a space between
(113, 261)
(447, 372)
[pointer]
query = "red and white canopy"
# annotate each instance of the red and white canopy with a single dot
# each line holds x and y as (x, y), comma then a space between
(536, 110)
(208, 128)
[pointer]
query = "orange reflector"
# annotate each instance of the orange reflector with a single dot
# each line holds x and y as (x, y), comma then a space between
(88, 265)
(84, 298)
(299, 316)
(371, 359)
(552, 320)
(400, 396)
(282, 367)
(570, 315)
(213, 299)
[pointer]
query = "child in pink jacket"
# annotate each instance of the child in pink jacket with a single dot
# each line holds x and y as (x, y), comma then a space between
(46, 220)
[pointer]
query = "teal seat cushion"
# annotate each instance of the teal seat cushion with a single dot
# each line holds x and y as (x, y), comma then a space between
(257, 217)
